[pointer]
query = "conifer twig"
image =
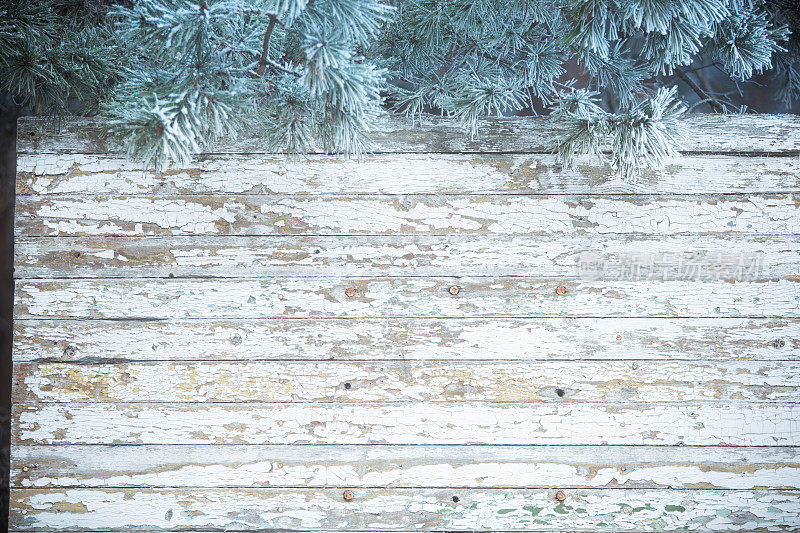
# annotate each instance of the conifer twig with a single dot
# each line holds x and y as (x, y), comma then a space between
(262, 62)
(715, 105)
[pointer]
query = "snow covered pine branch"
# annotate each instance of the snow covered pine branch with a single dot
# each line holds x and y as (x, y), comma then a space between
(170, 77)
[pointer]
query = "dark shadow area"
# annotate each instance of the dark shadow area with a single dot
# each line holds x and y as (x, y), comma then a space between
(8, 171)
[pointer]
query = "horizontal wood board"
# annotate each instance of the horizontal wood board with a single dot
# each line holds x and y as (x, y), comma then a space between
(450, 334)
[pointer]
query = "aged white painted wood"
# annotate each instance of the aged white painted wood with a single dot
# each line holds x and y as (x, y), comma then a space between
(412, 297)
(562, 423)
(378, 466)
(59, 215)
(712, 381)
(751, 134)
(385, 339)
(499, 174)
(662, 257)
(233, 345)
(415, 509)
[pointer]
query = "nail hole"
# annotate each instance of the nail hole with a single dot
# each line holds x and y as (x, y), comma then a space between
(32, 134)
(76, 254)
(560, 393)
(170, 275)
(455, 499)
(347, 385)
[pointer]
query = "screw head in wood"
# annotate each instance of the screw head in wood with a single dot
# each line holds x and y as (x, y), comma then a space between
(348, 495)
(560, 496)
(453, 290)
(561, 290)
(350, 292)
(778, 343)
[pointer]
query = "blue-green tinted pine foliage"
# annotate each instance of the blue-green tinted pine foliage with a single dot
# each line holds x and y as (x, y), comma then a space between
(170, 77)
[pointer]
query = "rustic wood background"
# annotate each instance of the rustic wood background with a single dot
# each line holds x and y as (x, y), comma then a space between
(320, 344)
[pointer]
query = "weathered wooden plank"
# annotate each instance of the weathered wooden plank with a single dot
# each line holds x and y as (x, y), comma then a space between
(406, 466)
(716, 381)
(351, 215)
(734, 424)
(605, 257)
(399, 174)
(314, 297)
(703, 133)
(412, 339)
(416, 509)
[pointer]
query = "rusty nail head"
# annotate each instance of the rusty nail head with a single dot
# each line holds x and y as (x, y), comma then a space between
(619, 337)
(561, 290)
(453, 290)
(350, 292)
(560, 496)
(347, 495)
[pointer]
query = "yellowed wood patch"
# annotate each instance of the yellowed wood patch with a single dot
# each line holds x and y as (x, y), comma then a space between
(445, 381)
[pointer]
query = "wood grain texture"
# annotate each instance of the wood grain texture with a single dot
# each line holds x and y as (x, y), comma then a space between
(314, 297)
(381, 466)
(446, 381)
(412, 339)
(59, 215)
(500, 174)
(733, 424)
(742, 257)
(232, 345)
(777, 134)
(415, 509)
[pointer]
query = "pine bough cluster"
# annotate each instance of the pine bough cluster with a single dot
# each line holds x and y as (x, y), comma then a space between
(172, 76)
(474, 58)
